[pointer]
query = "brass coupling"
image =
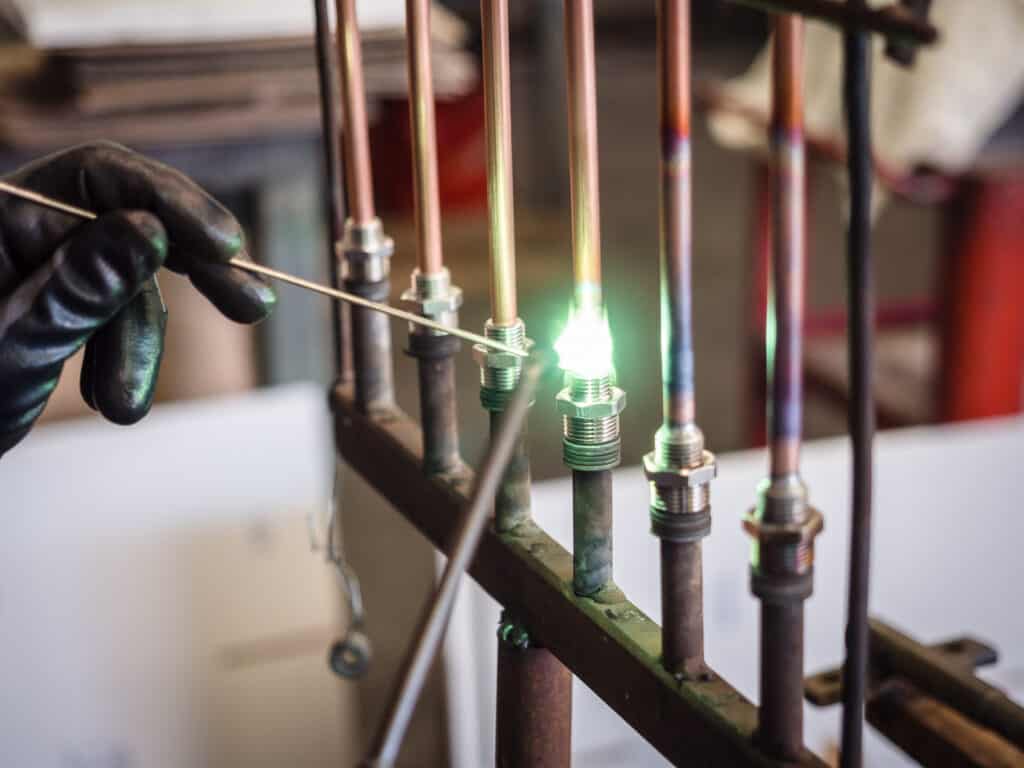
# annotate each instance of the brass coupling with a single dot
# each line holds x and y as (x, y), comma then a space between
(590, 408)
(365, 252)
(783, 527)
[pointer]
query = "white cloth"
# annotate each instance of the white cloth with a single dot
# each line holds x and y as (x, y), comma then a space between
(940, 112)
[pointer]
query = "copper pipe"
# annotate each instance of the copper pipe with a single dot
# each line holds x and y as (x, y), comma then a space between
(785, 323)
(676, 215)
(498, 122)
(583, 168)
(355, 137)
(424, 136)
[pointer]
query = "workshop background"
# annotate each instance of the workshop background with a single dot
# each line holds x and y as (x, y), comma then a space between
(228, 94)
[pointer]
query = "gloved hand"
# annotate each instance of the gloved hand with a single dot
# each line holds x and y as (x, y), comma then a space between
(65, 282)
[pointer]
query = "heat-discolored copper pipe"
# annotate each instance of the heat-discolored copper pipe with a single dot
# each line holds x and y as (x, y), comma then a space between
(498, 123)
(424, 136)
(583, 168)
(785, 345)
(676, 217)
(355, 136)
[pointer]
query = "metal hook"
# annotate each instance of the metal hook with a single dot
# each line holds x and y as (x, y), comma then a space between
(349, 657)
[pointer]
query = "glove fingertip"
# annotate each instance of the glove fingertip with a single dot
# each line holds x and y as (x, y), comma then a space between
(86, 377)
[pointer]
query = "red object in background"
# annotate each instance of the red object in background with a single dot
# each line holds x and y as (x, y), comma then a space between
(983, 317)
(979, 310)
(461, 157)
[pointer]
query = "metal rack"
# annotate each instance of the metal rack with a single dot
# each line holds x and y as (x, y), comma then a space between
(563, 614)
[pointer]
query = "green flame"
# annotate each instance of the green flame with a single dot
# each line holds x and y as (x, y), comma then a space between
(585, 345)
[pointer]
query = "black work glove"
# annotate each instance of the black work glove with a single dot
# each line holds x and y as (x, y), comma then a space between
(65, 282)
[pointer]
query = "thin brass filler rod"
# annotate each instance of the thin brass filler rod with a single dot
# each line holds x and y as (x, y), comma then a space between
(860, 287)
(430, 633)
(355, 137)
(340, 320)
(259, 269)
(498, 126)
(583, 166)
(427, 198)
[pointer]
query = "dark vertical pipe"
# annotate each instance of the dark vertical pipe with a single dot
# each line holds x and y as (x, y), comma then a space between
(780, 729)
(335, 199)
(682, 603)
(512, 504)
(436, 365)
(857, 95)
(591, 531)
(534, 709)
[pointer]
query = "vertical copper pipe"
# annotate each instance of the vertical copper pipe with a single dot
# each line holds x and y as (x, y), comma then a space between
(498, 124)
(583, 168)
(675, 211)
(786, 313)
(424, 136)
(335, 198)
(356, 142)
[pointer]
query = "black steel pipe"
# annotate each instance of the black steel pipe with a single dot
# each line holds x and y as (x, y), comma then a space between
(331, 128)
(591, 531)
(860, 286)
(682, 607)
(435, 355)
(371, 347)
(781, 715)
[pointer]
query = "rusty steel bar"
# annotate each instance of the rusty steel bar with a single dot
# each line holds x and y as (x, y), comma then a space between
(340, 323)
(861, 412)
(583, 166)
(780, 729)
(892, 20)
(614, 649)
(591, 531)
(356, 140)
(498, 127)
(426, 193)
(682, 608)
(436, 368)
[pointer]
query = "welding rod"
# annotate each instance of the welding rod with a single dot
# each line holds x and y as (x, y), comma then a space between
(249, 266)
(434, 622)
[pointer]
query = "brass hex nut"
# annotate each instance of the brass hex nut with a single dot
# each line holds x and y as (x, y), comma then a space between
(784, 533)
(599, 409)
(684, 477)
(436, 307)
(487, 357)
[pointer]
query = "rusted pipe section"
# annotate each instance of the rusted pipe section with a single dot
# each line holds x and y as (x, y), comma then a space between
(591, 531)
(424, 136)
(340, 323)
(583, 166)
(678, 469)
(534, 717)
(783, 524)
(364, 248)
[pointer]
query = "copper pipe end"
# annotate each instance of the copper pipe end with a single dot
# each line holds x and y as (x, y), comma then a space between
(498, 122)
(424, 138)
(355, 134)
(583, 166)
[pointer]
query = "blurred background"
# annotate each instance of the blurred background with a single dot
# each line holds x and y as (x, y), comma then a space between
(227, 93)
